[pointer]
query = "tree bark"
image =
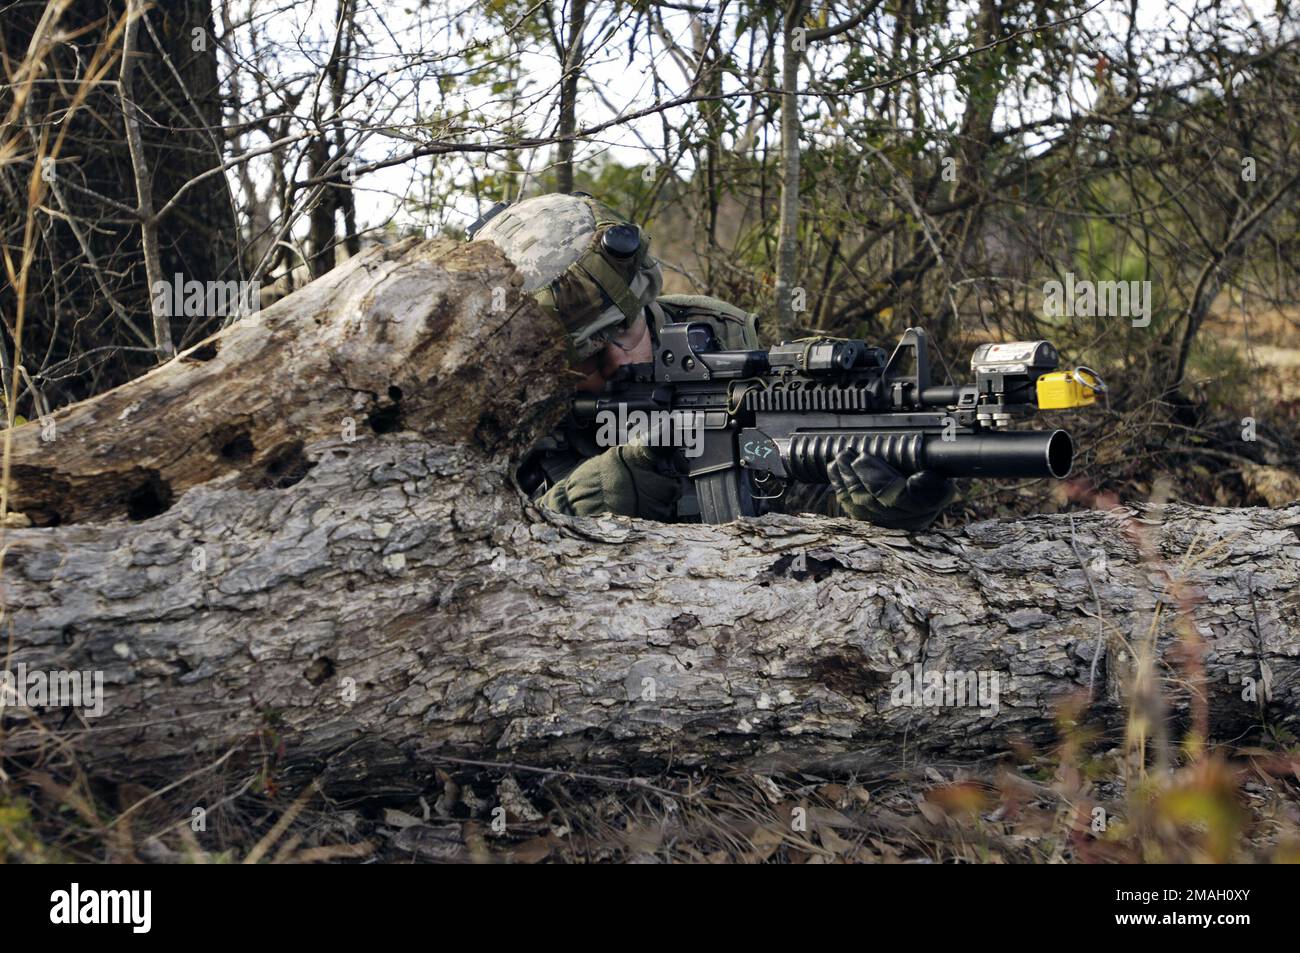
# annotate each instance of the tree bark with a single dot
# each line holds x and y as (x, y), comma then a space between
(393, 598)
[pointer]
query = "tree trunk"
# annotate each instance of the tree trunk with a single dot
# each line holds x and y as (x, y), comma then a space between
(162, 332)
(88, 259)
(372, 603)
(571, 56)
(787, 248)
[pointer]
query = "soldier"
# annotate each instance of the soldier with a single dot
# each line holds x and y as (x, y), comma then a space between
(592, 270)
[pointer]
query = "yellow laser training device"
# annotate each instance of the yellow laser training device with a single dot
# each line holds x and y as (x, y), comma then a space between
(1061, 390)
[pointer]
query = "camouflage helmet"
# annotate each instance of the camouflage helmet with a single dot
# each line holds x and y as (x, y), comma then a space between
(584, 263)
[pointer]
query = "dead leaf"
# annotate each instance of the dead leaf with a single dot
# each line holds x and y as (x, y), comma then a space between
(834, 842)
(931, 812)
(399, 819)
(534, 851)
(1277, 485)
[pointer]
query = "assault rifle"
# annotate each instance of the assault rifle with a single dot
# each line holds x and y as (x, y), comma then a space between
(766, 417)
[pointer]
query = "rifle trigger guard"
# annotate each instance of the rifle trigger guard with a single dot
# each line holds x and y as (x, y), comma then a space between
(759, 453)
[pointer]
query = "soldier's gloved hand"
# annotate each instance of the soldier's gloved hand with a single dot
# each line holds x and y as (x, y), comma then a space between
(625, 481)
(868, 488)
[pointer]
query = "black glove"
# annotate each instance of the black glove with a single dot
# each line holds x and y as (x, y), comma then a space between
(868, 488)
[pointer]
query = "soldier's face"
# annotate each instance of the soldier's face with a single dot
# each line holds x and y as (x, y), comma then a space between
(630, 347)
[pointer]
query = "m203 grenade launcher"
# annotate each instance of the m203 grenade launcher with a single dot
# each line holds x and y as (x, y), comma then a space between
(766, 417)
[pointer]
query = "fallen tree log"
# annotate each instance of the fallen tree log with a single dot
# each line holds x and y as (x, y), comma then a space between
(390, 597)
(415, 335)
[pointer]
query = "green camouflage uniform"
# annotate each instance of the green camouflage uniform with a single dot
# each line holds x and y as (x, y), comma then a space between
(592, 271)
(583, 479)
(579, 477)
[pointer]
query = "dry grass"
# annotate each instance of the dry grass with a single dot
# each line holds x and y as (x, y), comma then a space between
(1227, 805)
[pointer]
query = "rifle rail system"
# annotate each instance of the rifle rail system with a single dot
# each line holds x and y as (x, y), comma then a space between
(771, 416)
